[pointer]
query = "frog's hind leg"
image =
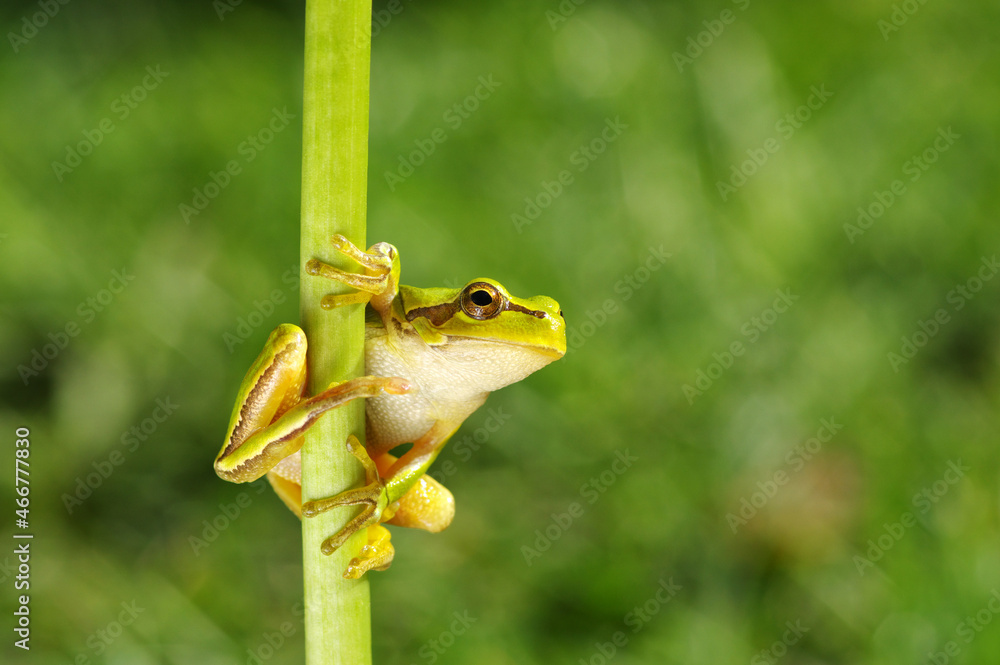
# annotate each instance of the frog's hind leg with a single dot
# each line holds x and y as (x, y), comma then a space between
(272, 414)
(428, 505)
(423, 503)
(286, 481)
(372, 496)
(377, 554)
(274, 384)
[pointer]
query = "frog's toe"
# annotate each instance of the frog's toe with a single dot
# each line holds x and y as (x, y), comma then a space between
(377, 554)
(370, 516)
(372, 497)
(334, 301)
(368, 284)
(377, 260)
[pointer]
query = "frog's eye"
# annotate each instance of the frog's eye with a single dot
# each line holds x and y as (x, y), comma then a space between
(482, 301)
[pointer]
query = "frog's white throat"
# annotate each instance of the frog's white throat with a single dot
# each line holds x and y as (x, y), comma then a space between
(451, 380)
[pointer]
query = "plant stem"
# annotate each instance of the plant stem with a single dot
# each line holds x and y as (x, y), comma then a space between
(334, 199)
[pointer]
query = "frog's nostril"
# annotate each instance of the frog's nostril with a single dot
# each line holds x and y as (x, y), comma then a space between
(560, 313)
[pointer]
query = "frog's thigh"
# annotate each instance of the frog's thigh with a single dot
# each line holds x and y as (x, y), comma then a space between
(286, 480)
(428, 505)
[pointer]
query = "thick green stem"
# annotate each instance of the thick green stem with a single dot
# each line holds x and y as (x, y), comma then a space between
(334, 198)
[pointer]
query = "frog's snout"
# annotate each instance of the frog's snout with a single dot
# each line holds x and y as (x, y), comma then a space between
(547, 305)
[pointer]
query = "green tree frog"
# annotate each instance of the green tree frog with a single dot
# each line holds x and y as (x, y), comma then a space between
(432, 356)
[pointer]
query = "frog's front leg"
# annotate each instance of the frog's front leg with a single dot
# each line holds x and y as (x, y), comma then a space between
(379, 283)
(271, 413)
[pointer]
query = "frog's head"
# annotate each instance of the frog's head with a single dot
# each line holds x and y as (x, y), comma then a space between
(483, 323)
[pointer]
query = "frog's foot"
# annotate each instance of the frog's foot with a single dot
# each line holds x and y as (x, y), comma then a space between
(377, 553)
(372, 496)
(381, 270)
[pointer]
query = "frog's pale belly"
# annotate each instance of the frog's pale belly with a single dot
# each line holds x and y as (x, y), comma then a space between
(440, 394)
(451, 381)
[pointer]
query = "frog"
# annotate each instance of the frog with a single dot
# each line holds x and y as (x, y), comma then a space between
(432, 357)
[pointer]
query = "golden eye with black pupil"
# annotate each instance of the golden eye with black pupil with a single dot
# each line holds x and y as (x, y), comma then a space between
(482, 301)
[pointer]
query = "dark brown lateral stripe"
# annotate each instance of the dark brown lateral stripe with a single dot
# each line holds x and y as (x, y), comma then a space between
(513, 307)
(437, 314)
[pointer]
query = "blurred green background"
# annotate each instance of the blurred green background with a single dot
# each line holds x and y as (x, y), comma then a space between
(867, 542)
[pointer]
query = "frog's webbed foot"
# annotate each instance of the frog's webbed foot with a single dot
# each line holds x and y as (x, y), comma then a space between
(380, 280)
(372, 496)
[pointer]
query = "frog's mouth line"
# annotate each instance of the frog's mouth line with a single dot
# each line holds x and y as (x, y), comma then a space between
(555, 352)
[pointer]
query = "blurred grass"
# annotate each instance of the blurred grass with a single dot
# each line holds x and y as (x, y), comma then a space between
(165, 334)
